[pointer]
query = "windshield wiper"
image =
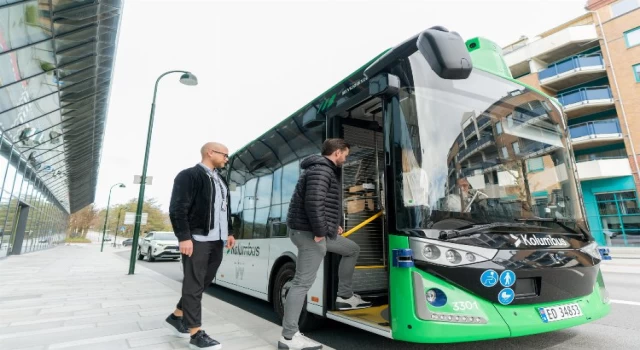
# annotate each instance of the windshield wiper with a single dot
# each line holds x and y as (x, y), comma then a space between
(560, 223)
(444, 235)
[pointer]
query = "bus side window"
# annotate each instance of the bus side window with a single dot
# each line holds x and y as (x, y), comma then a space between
(263, 204)
(279, 230)
(247, 220)
(290, 175)
(236, 192)
(275, 211)
(236, 224)
(249, 208)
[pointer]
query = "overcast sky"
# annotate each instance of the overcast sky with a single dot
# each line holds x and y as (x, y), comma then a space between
(259, 61)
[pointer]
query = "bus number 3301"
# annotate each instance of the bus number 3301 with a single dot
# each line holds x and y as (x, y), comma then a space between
(465, 305)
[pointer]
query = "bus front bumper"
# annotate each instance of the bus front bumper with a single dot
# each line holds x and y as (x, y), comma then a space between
(465, 317)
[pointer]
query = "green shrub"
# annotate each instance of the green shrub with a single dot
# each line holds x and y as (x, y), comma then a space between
(77, 240)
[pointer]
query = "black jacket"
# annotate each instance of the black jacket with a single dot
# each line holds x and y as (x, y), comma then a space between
(191, 207)
(316, 202)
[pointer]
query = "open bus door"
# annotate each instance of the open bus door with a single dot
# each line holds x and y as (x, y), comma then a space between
(363, 207)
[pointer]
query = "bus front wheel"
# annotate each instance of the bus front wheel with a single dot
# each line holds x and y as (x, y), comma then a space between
(284, 278)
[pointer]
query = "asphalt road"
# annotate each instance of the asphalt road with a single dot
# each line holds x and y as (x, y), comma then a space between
(616, 331)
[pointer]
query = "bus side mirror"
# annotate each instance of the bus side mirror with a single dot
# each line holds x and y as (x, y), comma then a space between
(446, 53)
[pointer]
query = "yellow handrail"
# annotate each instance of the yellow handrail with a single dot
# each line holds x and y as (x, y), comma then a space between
(369, 267)
(362, 224)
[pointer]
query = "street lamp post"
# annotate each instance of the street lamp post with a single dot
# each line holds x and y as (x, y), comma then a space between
(117, 225)
(106, 217)
(189, 79)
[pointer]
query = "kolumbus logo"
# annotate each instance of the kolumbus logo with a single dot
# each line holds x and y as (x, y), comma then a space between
(533, 241)
(241, 249)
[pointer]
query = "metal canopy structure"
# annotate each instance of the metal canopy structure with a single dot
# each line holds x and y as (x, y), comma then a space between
(56, 66)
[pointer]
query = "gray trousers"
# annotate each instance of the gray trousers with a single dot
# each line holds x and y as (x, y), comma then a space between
(310, 255)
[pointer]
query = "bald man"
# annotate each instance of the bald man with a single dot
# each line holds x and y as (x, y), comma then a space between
(200, 215)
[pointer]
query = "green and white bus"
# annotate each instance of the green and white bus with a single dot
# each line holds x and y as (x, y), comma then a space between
(461, 190)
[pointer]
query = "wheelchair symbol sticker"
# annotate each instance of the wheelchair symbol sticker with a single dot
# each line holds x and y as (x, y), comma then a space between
(507, 278)
(489, 278)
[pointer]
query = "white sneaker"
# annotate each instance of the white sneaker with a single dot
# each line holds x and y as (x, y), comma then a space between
(298, 342)
(355, 302)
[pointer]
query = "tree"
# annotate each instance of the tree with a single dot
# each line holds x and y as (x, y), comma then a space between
(81, 221)
(157, 220)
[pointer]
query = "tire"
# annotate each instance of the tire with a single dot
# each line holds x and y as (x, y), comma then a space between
(150, 256)
(307, 321)
(140, 256)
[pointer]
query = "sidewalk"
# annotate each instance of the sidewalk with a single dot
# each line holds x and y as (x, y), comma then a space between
(74, 297)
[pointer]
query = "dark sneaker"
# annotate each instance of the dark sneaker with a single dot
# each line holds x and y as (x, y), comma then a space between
(178, 328)
(201, 340)
(355, 302)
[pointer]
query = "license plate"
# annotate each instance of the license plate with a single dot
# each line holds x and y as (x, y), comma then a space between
(561, 312)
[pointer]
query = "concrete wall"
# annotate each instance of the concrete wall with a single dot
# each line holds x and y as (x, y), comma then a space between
(546, 44)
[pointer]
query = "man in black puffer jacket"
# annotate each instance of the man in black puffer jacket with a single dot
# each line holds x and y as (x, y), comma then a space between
(314, 219)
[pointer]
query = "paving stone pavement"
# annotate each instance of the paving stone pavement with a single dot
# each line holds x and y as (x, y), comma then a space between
(74, 297)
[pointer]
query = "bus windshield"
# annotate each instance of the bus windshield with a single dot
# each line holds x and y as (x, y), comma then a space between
(479, 150)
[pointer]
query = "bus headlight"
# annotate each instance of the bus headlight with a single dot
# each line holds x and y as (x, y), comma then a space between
(431, 295)
(431, 252)
(436, 297)
(454, 257)
(448, 253)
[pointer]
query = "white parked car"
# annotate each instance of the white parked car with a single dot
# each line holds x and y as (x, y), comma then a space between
(159, 245)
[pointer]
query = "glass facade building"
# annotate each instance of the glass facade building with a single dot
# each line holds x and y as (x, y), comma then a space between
(56, 60)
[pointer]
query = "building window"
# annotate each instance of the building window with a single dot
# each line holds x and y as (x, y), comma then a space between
(611, 154)
(620, 217)
(535, 164)
(516, 147)
(632, 37)
(505, 153)
(623, 6)
(499, 128)
(636, 72)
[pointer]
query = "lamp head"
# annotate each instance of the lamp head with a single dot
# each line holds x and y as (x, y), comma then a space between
(189, 79)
